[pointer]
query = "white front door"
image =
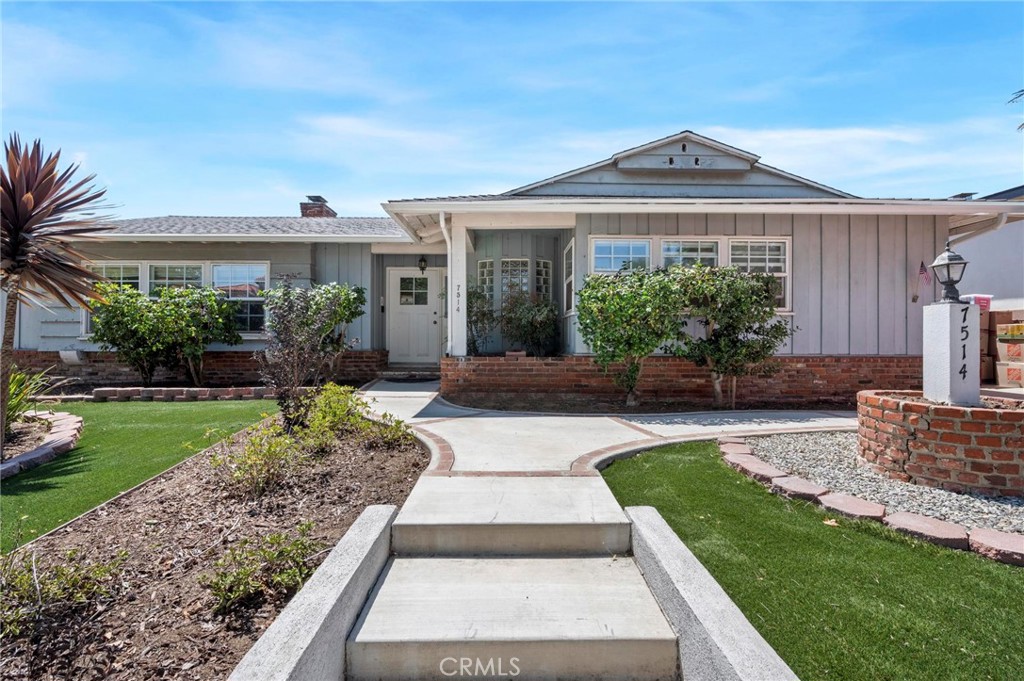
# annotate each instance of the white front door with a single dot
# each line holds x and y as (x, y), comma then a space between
(414, 316)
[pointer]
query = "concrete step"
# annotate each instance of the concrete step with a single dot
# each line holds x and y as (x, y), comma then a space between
(499, 618)
(504, 515)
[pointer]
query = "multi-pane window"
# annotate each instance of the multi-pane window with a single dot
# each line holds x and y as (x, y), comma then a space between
(767, 257)
(568, 288)
(485, 277)
(123, 275)
(542, 280)
(689, 253)
(243, 284)
(174, 276)
(413, 291)
(613, 255)
(515, 276)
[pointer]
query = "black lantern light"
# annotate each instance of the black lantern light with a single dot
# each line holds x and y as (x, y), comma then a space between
(423, 264)
(949, 270)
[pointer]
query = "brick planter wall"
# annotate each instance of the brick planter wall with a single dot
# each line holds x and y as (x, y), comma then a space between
(801, 380)
(956, 448)
(228, 368)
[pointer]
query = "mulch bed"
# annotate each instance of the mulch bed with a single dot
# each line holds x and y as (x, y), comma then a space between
(26, 436)
(160, 624)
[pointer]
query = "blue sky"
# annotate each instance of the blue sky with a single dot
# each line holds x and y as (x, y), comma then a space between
(204, 108)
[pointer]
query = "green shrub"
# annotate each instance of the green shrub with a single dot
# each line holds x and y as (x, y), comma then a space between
(34, 600)
(480, 319)
(263, 462)
(277, 564)
(530, 322)
(336, 412)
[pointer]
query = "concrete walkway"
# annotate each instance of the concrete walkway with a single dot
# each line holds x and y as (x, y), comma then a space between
(511, 552)
(531, 443)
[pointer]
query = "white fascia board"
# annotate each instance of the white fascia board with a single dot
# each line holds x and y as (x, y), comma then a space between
(400, 221)
(716, 206)
(301, 238)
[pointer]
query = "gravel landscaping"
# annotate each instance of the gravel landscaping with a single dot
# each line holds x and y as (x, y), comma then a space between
(830, 459)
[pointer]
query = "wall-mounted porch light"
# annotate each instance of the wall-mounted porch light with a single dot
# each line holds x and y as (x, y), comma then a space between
(949, 270)
(422, 263)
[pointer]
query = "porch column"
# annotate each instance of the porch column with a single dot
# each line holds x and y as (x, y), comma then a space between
(457, 288)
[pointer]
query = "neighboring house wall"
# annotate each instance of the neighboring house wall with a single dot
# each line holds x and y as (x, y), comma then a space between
(996, 266)
(853, 277)
(59, 328)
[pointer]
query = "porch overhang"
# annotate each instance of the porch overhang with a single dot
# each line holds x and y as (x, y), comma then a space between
(420, 217)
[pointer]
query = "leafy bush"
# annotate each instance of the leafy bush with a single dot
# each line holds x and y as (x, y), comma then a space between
(627, 316)
(175, 328)
(307, 330)
(742, 330)
(264, 461)
(530, 322)
(35, 600)
(337, 412)
(257, 568)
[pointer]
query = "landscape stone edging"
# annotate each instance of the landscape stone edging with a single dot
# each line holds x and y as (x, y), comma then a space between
(993, 544)
(65, 429)
(181, 394)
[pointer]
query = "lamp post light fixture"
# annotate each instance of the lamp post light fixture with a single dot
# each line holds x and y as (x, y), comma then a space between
(949, 270)
(422, 263)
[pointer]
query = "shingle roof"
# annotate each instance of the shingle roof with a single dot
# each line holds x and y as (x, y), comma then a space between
(182, 225)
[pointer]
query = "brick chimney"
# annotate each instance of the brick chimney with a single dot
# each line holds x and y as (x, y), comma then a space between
(316, 207)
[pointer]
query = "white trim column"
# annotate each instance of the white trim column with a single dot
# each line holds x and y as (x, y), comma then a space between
(457, 339)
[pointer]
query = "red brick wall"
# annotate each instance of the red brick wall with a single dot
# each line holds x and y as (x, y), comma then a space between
(219, 368)
(956, 448)
(803, 380)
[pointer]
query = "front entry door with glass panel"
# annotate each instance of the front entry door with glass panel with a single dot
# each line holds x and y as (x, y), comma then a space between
(414, 316)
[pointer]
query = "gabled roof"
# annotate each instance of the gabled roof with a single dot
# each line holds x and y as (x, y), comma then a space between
(1011, 194)
(205, 228)
(617, 160)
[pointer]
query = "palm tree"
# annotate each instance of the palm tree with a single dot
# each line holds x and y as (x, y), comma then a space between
(43, 210)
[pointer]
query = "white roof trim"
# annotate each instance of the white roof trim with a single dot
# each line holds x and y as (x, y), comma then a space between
(982, 209)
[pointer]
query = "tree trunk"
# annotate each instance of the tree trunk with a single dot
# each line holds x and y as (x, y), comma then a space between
(716, 383)
(7, 357)
(732, 392)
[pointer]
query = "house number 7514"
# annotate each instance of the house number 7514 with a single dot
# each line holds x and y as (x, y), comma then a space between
(964, 335)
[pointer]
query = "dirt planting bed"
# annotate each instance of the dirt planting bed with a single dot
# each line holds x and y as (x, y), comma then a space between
(160, 622)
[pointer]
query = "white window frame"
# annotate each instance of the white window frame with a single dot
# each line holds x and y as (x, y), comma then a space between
(208, 281)
(724, 253)
(486, 282)
(568, 278)
(144, 266)
(653, 253)
(700, 243)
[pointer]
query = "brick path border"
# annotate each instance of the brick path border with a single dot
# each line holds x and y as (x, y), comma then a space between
(65, 429)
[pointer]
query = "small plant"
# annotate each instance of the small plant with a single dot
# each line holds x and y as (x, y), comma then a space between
(277, 564)
(338, 411)
(36, 600)
(25, 389)
(530, 322)
(262, 463)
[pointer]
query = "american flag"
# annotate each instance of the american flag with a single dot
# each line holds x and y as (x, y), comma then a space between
(923, 272)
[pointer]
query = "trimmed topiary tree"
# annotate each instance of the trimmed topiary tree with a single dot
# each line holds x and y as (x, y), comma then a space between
(626, 317)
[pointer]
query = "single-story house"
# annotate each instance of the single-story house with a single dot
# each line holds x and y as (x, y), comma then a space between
(849, 269)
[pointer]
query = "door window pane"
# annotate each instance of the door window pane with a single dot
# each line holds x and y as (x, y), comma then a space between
(413, 291)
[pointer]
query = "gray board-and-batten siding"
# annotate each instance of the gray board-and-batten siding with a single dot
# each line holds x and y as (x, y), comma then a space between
(853, 276)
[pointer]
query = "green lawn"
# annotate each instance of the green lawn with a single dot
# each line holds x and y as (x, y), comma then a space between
(123, 444)
(857, 601)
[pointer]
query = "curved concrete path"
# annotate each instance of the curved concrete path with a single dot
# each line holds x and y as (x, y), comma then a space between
(499, 546)
(496, 442)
